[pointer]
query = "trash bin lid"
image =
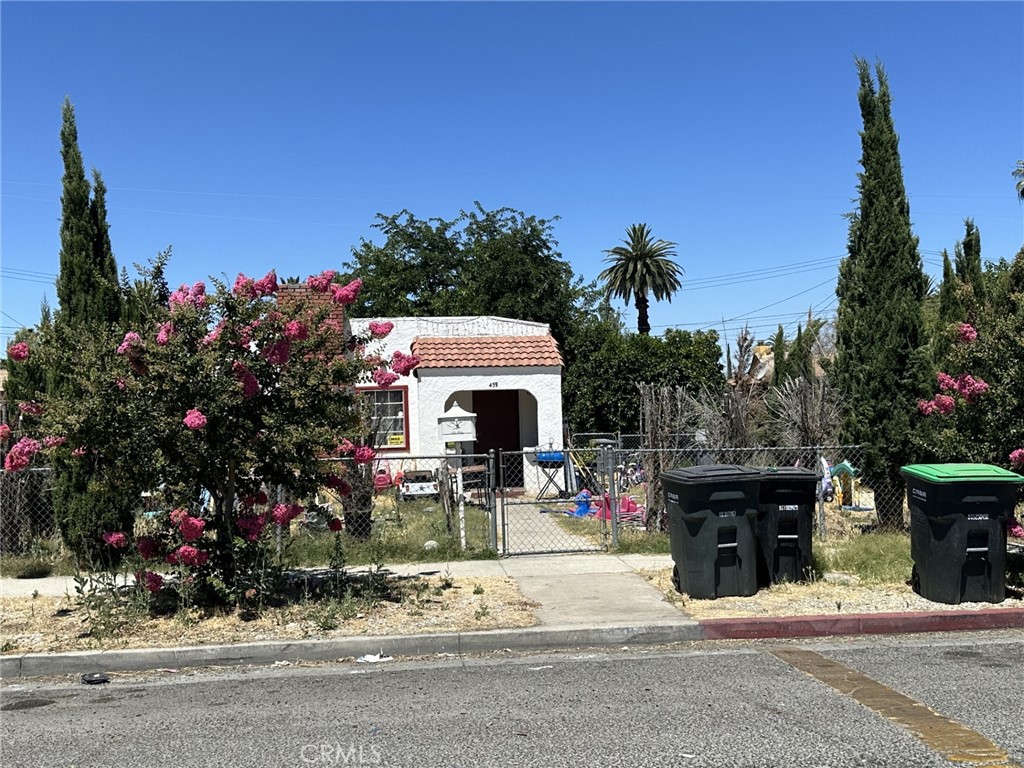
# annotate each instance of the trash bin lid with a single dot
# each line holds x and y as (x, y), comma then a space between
(789, 473)
(711, 473)
(961, 473)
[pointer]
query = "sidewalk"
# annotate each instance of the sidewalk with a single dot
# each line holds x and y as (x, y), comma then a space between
(585, 600)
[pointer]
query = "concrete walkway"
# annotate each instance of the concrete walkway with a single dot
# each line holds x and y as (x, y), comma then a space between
(528, 528)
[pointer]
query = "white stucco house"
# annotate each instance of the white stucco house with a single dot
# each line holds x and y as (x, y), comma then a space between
(507, 372)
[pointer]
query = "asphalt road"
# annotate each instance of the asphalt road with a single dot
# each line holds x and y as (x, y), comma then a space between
(712, 704)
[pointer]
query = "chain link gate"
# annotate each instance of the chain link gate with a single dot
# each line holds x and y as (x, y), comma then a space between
(537, 494)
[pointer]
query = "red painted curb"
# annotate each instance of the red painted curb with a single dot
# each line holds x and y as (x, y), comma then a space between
(861, 624)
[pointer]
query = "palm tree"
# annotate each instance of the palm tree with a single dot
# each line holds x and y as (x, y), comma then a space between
(1018, 174)
(642, 266)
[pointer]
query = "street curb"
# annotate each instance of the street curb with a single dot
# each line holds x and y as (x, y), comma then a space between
(529, 639)
(861, 624)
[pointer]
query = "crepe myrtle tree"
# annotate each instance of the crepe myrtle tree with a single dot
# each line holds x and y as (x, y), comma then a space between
(227, 394)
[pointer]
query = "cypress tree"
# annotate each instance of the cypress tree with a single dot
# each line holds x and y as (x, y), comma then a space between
(968, 265)
(106, 291)
(76, 280)
(881, 362)
(951, 308)
(780, 370)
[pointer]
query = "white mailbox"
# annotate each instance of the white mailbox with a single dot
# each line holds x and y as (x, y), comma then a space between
(457, 425)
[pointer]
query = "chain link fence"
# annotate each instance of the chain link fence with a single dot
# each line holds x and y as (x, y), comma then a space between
(435, 508)
(26, 510)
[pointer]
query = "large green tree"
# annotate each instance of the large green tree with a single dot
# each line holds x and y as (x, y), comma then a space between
(639, 268)
(500, 262)
(87, 286)
(881, 364)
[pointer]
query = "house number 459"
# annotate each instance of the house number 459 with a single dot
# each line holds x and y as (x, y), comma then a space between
(493, 385)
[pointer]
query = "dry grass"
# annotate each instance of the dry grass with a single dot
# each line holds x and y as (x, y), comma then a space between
(437, 604)
(816, 598)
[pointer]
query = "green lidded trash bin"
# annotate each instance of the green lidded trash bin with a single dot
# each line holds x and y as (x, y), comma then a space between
(712, 514)
(958, 516)
(785, 522)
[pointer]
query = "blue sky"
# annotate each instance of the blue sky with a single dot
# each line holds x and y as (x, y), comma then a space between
(258, 135)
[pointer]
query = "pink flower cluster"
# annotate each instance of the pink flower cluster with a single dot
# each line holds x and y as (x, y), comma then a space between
(153, 582)
(965, 385)
(296, 330)
(1017, 458)
(260, 497)
(116, 539)
(402, 364)
(187, 555)
(18, 352)
(339, 484)
(250, 385)
(31, 408)
(245, 287)
(321, 283)
(266, 285)
(966, 333)
(186, 296)
(1014, 528)
(21, 453)
(149, 548)
(346, 446)
(346, 294)
(191, 528)
(5, 433)
(943, 404)
(163, 336)
(278, 352)
(53, 441)
(335, 525)
(194, 419)
(251, 525)
(364, 454)
(132, 340)
(381, 329)
(383, 377)
(282, 514)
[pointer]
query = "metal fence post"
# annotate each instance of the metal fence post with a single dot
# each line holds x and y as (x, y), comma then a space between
(821, 495)
(614, 498)
(492, 499)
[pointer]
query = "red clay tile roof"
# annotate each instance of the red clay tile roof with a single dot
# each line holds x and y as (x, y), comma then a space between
(486, 351)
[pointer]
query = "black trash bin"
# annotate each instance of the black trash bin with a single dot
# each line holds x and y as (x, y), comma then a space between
(785, 522)
(712, 513)
(958, 516)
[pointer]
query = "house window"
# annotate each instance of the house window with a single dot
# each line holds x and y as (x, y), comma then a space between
(390, 409)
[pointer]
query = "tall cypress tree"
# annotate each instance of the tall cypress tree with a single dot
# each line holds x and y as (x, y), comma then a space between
(780, 367)
(76, 280)
(951, 307)
(106, 291)
(881, 363)
(968, 265)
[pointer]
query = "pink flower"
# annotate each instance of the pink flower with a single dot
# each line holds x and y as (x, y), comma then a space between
(154, 581)
(187, 555)
(5, 433)
(379, 330)
(1014, 528)
(194, 419)
(966, 333)
(321, 283)
(148, 547)
(295, 330)
(116, 539)
(131, 341)
(31, 409)
(282, 514)
(945, 404)
(250, 386)
(79, 451)
(946, 382)
(120, 383)
(185, 296)
(18, 352)
(1017, 458)
(251, 526)
(245, 287)
(364, 454)
(278, 352)
(213, 335)
(384, 378)
(177, 515)
(54, 442)
(266, 285)
(21, 453)
(347, 294)
(970, 388)
(335, 524)
(927, 407)
(163, 336)
(191, 528)
(402, 364)
(346, 446)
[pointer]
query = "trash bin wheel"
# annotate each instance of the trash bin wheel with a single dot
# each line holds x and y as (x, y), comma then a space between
(915, 579)
(675, 578)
